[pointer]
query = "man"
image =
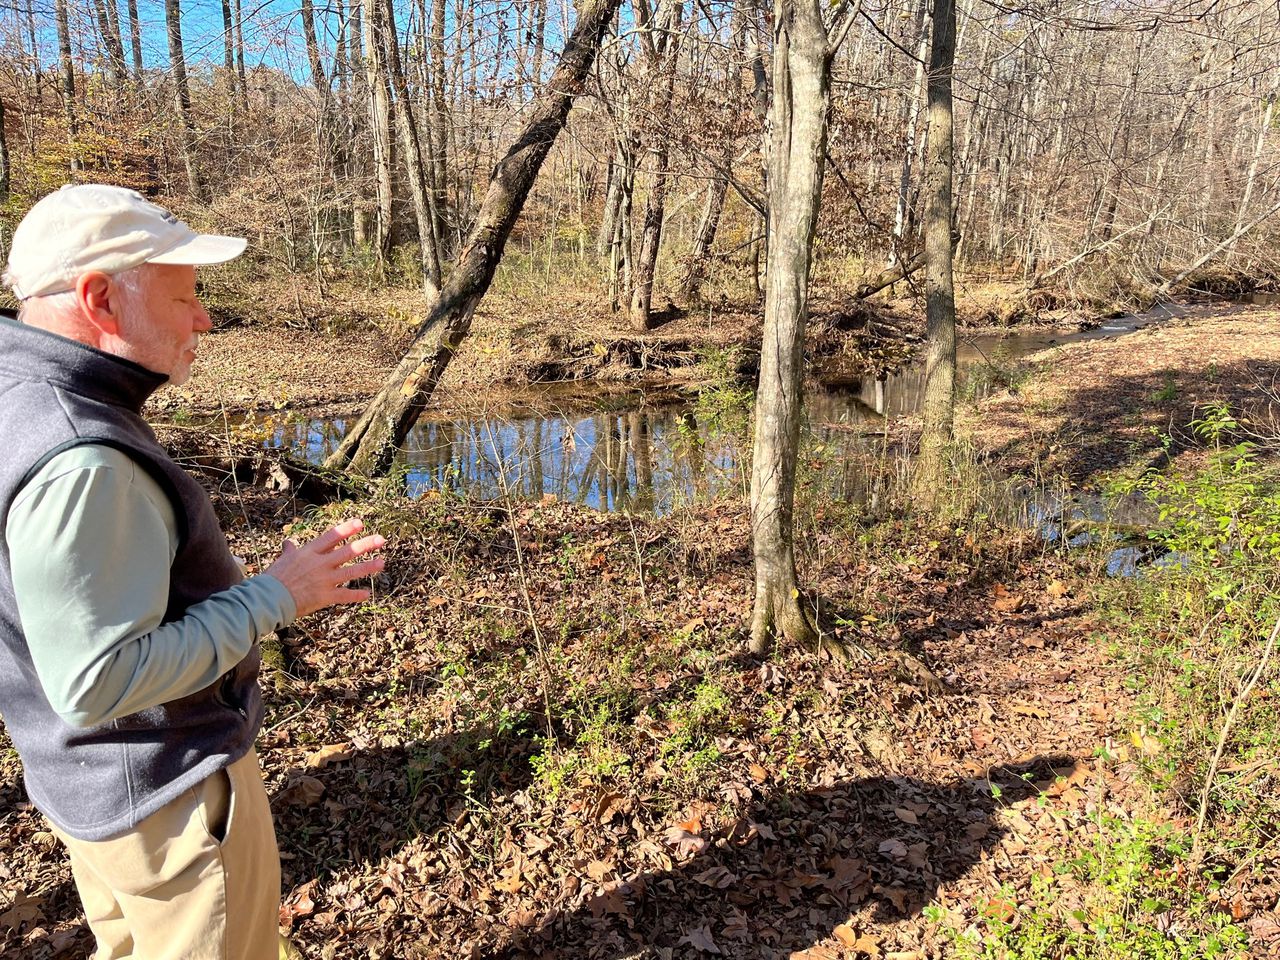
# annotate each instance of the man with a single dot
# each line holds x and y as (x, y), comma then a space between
(128, 634)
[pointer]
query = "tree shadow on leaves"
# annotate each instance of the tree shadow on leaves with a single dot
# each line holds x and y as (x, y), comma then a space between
(785, 875)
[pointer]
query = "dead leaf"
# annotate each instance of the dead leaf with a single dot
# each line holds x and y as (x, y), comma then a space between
(758, 773)
(906, 816)
(1057, 589)
(303, 791)
(894, 848)
(869, 945)
(846, 934)
(701, 940)
(332, 753)
(23, 908)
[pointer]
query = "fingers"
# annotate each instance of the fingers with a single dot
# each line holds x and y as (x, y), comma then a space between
(357, 570)
(337, 533)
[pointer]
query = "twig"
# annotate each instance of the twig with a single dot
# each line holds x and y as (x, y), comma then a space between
(644, 589)
(1196, 851)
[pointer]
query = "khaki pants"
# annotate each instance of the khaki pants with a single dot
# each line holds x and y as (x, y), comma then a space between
(199, 879)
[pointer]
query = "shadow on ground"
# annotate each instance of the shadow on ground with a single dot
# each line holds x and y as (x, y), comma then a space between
(791, 870)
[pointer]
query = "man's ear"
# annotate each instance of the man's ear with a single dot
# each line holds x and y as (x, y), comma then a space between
(98, 298)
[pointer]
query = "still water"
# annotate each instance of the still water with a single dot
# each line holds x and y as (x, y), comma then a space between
(634, 454)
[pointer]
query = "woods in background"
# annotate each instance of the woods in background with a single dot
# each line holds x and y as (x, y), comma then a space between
(1097, 148)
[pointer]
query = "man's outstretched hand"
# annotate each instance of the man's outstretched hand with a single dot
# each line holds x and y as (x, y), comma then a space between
(315, 573)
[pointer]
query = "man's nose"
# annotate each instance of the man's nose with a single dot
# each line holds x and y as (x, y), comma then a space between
(202, 321)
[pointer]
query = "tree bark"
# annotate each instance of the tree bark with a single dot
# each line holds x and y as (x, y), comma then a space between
(940, 301)
(370, 446)
(423, 199)
(67, 83)
(708, 225)
(109, 27)
(229, 47)
(665, 51)
(380, 128)
(438, 120)
(902, 212)
(796, 150)
(182, 96)
(241, 76)
(135, 40)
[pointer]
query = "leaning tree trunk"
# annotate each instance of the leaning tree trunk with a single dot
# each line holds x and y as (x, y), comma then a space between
(370, 445)
(178, 62)
(940, 299)
(708, 225)
(797, 149)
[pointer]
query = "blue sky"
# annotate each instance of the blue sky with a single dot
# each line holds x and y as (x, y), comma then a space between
(272, 31)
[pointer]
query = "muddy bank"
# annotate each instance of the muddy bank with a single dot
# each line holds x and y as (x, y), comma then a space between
(1084, 411)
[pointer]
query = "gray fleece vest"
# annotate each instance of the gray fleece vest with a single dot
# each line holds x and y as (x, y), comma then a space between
(99, 782)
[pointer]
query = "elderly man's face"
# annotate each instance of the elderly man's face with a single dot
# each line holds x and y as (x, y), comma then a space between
(163, 326)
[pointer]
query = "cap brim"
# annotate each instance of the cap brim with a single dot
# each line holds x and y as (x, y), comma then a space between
(203, 249)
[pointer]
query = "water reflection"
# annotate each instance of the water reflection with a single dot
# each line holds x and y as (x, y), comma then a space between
(649, 457)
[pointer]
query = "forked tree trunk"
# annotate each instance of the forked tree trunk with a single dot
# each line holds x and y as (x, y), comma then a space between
(182, 96)
(940, 300)
(370, 445)
(797, 149)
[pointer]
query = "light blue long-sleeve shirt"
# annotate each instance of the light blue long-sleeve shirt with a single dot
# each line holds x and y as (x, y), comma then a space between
(91, 538)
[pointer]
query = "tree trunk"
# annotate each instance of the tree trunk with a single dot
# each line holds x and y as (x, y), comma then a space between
(423, 200)
(109, 26)
(67, 83)
(797, 150)
(370, 446)
(178, 63)
(940, 301)
(239, 42)
(438, 120)
(135, 41)
(229, 45)
(666, 50)
(384, 159)
(902, 211)
(703, 240)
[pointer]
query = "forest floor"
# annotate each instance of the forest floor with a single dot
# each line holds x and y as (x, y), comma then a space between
(543, 738)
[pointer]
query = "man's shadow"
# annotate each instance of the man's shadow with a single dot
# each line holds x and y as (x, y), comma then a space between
(790, 870)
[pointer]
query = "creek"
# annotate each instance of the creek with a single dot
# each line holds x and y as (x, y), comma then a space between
(635, 452)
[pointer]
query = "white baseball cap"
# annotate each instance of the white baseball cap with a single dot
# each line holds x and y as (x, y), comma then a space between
(90, 226)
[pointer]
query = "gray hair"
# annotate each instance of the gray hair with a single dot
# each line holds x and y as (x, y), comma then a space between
(132, 283)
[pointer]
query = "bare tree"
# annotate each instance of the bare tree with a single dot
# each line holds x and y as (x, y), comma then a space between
(370, 445)
(67, 82)
(384, 157)
(182, 96)
(135, 40)
(797, 138)
(423, 196)
(663, 51)
(940, 300)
